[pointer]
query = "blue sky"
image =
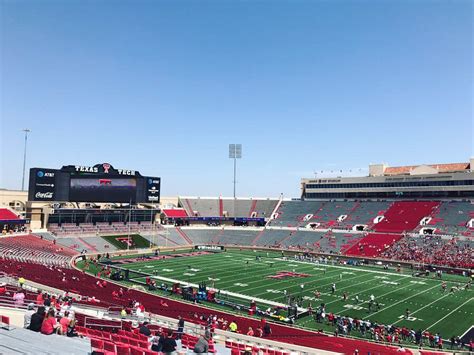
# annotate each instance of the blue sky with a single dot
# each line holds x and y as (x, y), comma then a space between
(164, 86)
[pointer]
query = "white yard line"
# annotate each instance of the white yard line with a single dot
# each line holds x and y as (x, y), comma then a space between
(239, 295)
(318, 286)
(426, 305)
(347, 267)
(447, 315)
(403, 300)
(380, 285)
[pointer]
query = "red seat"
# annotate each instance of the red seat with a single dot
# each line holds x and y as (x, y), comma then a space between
(5, 322)
(143, 344)
(133, 342)
(124, 339)
(109, 346)
(135, 351)
(123, 349)
(97, 344)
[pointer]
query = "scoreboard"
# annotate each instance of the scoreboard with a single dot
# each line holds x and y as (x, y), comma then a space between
(98, 183)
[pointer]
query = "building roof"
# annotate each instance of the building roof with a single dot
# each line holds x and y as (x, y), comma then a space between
(442, 168)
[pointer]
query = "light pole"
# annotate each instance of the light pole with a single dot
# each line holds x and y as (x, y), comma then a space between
(235, 152)
(26, 130)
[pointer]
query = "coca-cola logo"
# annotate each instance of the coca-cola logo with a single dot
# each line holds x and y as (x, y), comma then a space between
(48, 195)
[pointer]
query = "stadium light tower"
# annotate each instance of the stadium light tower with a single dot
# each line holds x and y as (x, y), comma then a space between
(26, 130)
(235, 152)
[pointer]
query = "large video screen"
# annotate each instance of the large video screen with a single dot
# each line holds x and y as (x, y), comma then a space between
(102, 189)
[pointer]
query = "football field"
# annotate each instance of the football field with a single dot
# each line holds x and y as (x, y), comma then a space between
(272, 277)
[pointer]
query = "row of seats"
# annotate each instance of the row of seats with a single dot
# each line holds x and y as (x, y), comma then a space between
(7, 215)
(111, 348)
(399, 216)
(30, 248)
(100, 228)
(404, 216)
(240, 347)
(373, 244)
(217, 207)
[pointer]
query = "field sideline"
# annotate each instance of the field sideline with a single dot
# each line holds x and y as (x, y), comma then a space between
(240, 272)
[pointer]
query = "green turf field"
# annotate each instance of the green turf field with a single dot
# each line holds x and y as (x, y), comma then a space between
(430, 308)
(138, 241)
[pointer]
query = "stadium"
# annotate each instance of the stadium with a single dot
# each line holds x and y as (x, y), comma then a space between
(237, 177)
(375, 264)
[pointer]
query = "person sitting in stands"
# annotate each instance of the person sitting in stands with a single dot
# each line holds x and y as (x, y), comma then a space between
(50, 325)
(28, 314)
(71, 329)
(144, 329)
(64, 322)
(37, 319)
(157, 341)
(47, 300)
(202, 345)
(169, 344)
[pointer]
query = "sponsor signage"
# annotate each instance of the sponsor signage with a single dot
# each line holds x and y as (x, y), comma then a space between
(44, 195)
(153, 189)
(42, 185)
(209, 247)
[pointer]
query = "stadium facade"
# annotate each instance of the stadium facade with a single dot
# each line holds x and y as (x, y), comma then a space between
(434, 181)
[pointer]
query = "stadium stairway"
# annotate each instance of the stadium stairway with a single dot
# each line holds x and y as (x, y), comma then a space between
(23, 341)
(185, 237)
(221, 207)
(215, 239)
(254, 242)
(87, 245)
(252, 207)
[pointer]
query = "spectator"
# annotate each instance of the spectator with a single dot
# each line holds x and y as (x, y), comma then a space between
(157, 341)
(50, 325)
(144, 329)
(71, 329)
(39, 299)
(37, 319)
(21, 282)
(202, 345)
(28, 314)
(180, 326)
(267, 331)
(64, 322)
(169, 344)
(19, 298)
(233, 327)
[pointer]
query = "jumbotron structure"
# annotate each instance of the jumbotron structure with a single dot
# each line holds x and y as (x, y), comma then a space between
(400, 227)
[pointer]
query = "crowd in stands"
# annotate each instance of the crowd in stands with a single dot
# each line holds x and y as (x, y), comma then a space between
(390, 334)
(435, 250)
(12, 228)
